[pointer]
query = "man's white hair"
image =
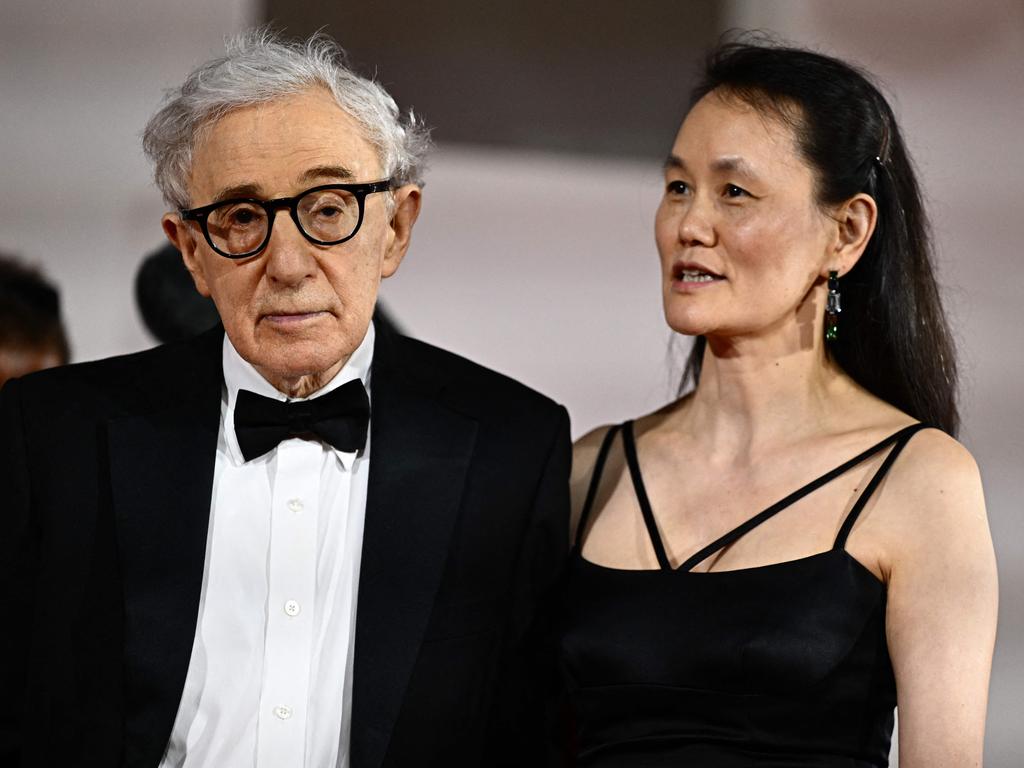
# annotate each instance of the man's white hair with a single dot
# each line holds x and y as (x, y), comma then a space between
(259, 67)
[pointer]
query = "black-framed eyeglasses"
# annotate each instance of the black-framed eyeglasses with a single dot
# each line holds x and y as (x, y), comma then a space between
(326, 215)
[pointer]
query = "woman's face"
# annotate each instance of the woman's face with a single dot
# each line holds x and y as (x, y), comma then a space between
(741, 238)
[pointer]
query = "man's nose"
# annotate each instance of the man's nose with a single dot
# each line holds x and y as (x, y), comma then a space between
(290, 256)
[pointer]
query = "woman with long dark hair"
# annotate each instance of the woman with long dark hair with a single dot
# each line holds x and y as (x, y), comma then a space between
(765, 567)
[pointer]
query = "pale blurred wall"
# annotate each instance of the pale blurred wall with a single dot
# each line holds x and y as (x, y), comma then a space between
(543, 265)
(78, 80)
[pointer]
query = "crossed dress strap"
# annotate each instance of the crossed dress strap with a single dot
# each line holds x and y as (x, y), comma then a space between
(629, 448)
(899, 438)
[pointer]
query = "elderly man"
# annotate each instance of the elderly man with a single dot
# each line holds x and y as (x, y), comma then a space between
(293, 541)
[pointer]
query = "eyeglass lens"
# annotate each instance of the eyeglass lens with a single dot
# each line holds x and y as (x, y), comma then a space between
(327, 215)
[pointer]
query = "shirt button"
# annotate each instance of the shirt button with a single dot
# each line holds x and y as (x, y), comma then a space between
(295, 505)
(292, 608)
(282, 713)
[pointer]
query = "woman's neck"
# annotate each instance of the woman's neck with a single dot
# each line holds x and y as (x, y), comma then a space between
(756, 394)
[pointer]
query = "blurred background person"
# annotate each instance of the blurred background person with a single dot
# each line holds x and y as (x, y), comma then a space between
(167, 300)
(31, 329)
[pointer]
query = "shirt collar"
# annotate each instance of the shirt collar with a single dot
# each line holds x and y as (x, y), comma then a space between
(240, 374)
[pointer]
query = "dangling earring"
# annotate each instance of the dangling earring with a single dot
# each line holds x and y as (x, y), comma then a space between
(832, 308)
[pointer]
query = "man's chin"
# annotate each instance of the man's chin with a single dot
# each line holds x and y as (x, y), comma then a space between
(298, 376)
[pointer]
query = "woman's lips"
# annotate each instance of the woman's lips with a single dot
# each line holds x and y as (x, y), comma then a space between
(694, 278)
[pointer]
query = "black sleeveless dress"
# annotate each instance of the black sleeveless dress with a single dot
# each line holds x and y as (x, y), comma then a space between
(782, 665)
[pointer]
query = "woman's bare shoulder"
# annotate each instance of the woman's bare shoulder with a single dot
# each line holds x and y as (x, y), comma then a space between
(584, 456)
(587, 447)
(938, 468)
(936, 502)
(584, 452)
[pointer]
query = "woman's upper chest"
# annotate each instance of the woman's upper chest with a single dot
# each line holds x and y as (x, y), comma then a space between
(694, 502)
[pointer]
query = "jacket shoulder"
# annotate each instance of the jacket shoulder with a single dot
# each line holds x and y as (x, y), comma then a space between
(125, 383)
(474, 386)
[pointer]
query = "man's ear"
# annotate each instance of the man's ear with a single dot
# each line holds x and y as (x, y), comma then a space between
(855, 223)
(406, 207)
(181, 237)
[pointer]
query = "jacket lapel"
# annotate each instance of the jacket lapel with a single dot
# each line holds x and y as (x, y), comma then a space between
(420, 454)
(161, 464)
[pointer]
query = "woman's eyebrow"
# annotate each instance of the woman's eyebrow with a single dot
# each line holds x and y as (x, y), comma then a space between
(731, 163)
(673, 162)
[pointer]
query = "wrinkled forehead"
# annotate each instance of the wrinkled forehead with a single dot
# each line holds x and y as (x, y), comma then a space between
(280, 143)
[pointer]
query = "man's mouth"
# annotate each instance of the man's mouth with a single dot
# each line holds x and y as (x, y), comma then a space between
(287, 318)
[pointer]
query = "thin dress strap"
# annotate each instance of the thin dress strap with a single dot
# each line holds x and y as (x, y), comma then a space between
(736, 533)
(629, 447)
(901, 439)
(595, 481)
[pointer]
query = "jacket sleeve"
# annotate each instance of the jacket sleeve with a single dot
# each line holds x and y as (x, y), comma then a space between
(527, 725)
(17, 558)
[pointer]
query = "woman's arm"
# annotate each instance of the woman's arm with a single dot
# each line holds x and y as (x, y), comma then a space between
(943, 596)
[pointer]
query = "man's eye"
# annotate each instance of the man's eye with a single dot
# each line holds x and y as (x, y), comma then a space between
(677, 188)
(731, 190)
(241, 216)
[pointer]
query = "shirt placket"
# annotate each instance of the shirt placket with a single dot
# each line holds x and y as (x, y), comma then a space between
(283, 714)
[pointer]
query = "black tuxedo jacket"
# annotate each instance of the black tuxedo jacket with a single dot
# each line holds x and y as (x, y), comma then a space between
(106, 473)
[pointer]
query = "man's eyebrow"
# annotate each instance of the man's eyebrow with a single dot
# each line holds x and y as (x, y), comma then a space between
(238, 190)
(252, 190)
(327, 171)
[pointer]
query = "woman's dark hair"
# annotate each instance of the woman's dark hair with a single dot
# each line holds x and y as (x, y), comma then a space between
(893, 336)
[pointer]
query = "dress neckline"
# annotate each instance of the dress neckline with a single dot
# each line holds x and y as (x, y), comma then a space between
(897, 440)
(780, 566)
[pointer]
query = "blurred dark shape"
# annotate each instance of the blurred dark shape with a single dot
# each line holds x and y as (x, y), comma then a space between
(32, 336)
(170, 306)
(173, 310)
(599, 77)
(384, 322)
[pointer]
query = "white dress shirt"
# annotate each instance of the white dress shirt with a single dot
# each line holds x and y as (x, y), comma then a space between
(269, 683)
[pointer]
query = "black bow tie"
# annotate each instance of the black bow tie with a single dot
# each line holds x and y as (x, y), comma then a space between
(340, 418)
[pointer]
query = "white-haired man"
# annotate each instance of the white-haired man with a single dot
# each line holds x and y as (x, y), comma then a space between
(293, 541)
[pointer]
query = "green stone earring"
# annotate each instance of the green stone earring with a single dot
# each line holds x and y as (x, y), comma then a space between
(832, 308)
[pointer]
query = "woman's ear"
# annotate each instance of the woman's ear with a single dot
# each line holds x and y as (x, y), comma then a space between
(855, 223)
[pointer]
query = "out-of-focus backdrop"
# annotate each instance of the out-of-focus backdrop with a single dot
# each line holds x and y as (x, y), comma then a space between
(535, 253)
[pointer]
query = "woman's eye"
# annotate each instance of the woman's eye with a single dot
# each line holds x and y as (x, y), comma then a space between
(677, 188)
(731, 190)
